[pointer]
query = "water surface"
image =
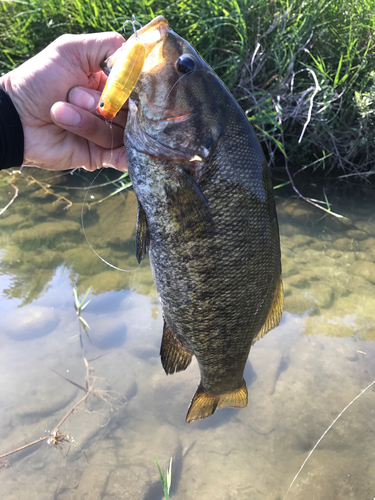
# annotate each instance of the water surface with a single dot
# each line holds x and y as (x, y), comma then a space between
(300, 376)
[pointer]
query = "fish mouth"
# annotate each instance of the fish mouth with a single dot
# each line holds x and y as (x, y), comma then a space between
(149, 144)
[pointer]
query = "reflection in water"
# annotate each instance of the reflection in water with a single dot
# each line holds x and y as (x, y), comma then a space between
(300, 377)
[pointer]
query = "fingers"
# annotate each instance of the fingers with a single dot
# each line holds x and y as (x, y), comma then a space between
(88, 99)
(80, 117)
(115, 159)
(86, 125)
(90, 50)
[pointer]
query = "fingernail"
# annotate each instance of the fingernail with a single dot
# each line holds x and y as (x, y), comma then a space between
(79, 97)
(66, 115)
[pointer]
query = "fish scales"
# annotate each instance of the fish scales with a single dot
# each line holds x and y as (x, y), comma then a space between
(207, 217)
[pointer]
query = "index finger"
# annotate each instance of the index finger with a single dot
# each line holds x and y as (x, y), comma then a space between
(89, 51)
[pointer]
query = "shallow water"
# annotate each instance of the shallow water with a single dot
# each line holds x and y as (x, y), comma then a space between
(300, 376)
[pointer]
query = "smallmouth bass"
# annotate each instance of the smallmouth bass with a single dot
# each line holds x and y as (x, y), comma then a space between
(206, 215)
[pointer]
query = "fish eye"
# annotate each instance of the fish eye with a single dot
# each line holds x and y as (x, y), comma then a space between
(185, 64)
(101, 104)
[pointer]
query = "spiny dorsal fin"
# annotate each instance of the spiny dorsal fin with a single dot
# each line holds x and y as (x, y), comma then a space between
(275, 313)
(142, 237)
(205, 404)
(174, 356)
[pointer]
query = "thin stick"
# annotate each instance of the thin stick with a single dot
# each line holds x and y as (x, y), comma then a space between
(71, 411)
(24, 447)
(49, 191)
(68, 380)
(319, 440)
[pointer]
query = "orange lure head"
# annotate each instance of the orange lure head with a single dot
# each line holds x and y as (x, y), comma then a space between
(126, 65)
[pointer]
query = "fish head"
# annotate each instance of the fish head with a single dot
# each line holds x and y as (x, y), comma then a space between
(172, 103)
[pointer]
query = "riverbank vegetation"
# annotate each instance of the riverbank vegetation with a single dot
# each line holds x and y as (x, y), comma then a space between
(303, 71)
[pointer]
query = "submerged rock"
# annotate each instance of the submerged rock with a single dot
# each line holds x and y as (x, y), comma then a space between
(298, 302)
(355, 234)
(344, 244)
(30, 322)
(364, 269)
(298, 210)
(11, 220)
(366, 227)
(367, 244)
(45, 231)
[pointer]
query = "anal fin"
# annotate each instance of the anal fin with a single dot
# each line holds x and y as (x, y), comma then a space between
(174, 356)
(205, 404)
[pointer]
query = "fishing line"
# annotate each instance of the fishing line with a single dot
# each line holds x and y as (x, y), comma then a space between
(109, 164)
(319, 440)
(84, 232)
(187, 74)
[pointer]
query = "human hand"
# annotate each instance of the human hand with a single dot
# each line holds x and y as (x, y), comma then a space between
(56, 93)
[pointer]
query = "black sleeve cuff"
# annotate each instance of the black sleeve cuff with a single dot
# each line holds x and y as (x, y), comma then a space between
(11, 133)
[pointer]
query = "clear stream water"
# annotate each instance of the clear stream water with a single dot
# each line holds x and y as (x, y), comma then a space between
(300, 376)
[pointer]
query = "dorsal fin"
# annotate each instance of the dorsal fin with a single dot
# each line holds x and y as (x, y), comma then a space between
(275, 313)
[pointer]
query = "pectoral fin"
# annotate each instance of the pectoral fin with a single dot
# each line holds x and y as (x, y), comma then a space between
(189, 202)
(275, 313)
(174, 356)
(205, 404)
(142, 238)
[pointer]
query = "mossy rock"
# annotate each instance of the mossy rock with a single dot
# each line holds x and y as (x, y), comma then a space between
(333, 253)
(298, 302)
(11, 220)
(298, 210)
(299, 280)
(300, 240)
(355, 234)
(289, 267)
(364, 269)
(289, 229)
(48, 260)
(345, 244)
(12, 256)
(45, 231)
(366, 227)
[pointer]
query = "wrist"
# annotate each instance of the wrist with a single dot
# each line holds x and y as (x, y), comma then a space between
(11, 128)
(6, 82)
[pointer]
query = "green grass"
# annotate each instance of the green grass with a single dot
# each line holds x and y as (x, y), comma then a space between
(303, 71)
(165, 478)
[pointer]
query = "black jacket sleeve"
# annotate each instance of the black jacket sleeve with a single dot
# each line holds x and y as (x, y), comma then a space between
(11, 133)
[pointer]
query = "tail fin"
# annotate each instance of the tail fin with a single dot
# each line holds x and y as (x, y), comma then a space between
(205, 404)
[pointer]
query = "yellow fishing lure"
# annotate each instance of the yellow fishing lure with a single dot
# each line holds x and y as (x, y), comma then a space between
(123, 78)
